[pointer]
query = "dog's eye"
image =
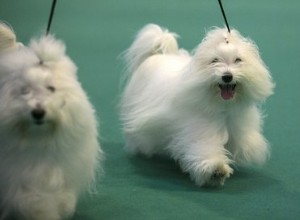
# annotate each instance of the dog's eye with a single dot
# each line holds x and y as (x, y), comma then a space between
(25, 90)
(51, 88)
(238, 60)
(216, 60)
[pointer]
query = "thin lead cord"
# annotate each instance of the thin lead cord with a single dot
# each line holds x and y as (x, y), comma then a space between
(51, 16)
(224, 16)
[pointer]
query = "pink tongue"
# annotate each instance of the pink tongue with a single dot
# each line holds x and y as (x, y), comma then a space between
(227, 92)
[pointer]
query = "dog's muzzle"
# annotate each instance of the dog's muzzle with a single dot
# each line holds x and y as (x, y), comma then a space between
(227, 86)
(38, 115)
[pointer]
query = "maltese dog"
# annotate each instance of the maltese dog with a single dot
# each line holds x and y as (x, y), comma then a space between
(48, 131)
(201, 109)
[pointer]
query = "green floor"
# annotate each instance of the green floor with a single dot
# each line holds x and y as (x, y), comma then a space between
(97, 31)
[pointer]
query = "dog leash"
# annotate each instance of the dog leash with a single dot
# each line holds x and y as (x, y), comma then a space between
(51, 16)
(224, 16)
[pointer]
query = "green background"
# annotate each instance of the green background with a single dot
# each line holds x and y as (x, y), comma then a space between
(96, 32)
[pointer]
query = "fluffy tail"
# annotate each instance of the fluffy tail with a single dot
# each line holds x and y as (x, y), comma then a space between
(152, 39)
(7, 38)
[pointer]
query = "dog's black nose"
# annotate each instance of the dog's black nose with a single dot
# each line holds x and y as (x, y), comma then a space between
(38, 113)
(227, 77)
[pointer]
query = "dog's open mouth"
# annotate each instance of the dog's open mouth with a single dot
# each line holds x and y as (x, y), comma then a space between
(227, 91)
(39, 122)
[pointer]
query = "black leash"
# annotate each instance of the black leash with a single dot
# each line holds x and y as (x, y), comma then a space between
(51, 16)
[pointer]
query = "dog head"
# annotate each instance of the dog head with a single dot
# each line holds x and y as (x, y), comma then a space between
(231, 67)
(37, 84)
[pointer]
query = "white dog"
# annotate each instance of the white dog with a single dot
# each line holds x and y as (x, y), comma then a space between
(48, 132)
(202, 109)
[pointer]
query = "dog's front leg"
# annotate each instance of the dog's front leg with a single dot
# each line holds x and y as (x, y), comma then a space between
(246, 142)
(207, 163)
(250, 148)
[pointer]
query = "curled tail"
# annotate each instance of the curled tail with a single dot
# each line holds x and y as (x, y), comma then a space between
(151, 40)
(7, 38)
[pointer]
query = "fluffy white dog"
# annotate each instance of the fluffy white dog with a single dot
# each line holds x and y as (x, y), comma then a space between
(48, 131)
(202, 109)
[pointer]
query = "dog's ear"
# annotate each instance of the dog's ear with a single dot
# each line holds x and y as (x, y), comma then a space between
(7, 38)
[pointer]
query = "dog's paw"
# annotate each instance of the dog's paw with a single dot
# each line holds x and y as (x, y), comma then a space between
(209, 172)
(219, 175)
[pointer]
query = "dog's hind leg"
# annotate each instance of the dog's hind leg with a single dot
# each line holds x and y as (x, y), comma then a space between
(141, 144)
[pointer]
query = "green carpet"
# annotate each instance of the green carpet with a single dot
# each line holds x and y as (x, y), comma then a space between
(98, 31)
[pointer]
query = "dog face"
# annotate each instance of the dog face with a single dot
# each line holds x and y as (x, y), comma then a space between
(231, 66)
(37, 98)
(37, 85)
(32, 99)
(225, 68)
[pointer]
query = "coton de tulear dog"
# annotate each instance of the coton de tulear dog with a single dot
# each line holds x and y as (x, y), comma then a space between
(201, 109)
(48, 131)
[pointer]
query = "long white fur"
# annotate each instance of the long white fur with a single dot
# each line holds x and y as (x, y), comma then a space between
(43, 167)
(8, 38)
(172, 103)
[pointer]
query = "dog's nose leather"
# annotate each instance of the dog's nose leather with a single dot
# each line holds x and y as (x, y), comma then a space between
(227, 78)
(38, 113)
